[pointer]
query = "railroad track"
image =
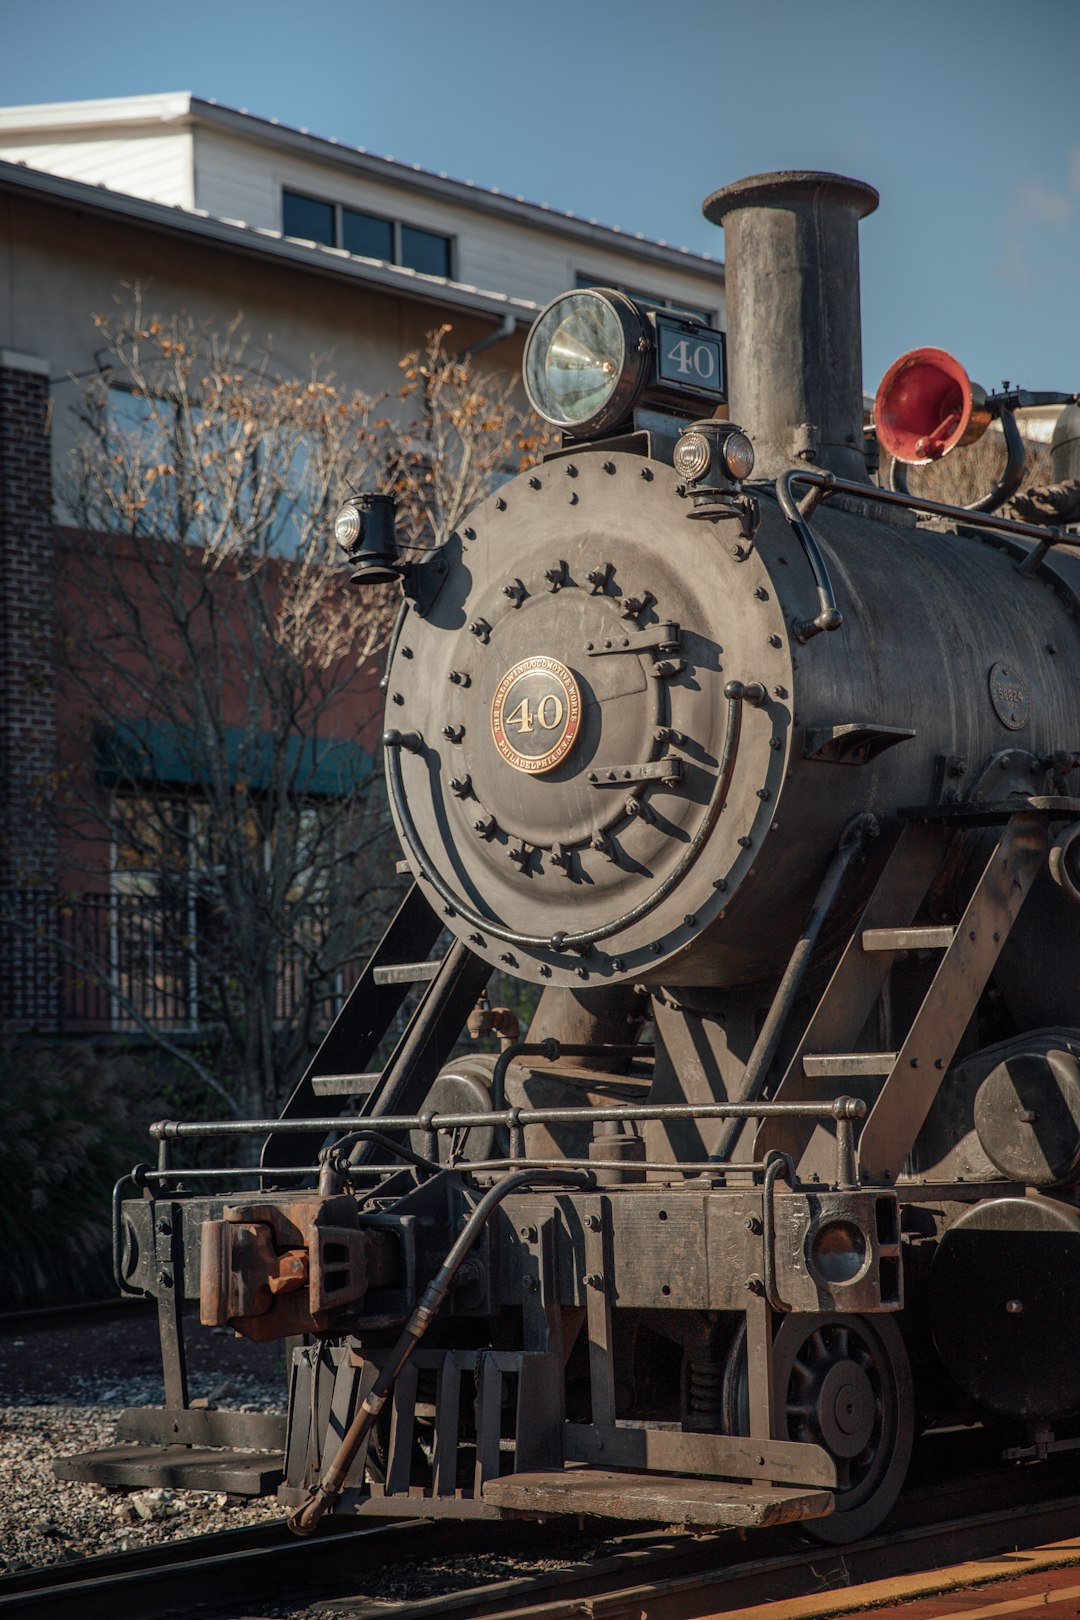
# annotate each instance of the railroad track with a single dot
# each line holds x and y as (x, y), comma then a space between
(647, 1575)
(200, 1573)
(51, 1318)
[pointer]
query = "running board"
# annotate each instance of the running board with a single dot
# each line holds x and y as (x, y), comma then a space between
(178, 1468)
(664, 1499)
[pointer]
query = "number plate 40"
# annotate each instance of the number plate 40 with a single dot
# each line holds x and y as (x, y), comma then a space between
(535, 714)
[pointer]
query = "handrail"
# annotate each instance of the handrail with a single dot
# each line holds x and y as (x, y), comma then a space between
(966, 517)
(171, 1130)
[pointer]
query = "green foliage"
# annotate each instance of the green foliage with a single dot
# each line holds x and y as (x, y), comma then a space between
(74, 1120)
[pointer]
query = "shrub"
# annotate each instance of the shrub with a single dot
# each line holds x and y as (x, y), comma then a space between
(73, 1121)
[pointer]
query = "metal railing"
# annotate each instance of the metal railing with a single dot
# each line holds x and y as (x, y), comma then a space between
(100, 963)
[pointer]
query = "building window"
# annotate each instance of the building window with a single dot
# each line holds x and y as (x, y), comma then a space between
(423, 250)
(308, 217)
(366, 234)
(651, 300)
(369, 235)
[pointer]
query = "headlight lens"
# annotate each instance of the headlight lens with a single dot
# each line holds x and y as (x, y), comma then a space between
(583, 366)
(739, 455)
(691, 456)
(347, 526)
(838, 1252)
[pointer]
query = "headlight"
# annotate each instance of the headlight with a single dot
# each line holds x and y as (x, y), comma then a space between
(585, 360)
(365, 529)
(738, 453)
(837, 1252)
(713, 455)
(347, 526)
(692, 456)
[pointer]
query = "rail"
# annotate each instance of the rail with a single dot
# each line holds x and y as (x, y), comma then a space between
(824, 485)
(517, 1120)
(117, 964)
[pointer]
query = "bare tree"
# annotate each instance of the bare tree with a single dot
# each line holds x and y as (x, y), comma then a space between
(969, 473)
(222, 677)
(464, 432)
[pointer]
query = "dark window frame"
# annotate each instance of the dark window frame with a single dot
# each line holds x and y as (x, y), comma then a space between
(397, 226)
(583, 280)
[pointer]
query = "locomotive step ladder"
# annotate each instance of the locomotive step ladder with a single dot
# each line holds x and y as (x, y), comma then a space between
(340, 1067)
(827, 1056)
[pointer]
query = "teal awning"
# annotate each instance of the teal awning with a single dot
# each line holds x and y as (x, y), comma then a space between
(133, 752)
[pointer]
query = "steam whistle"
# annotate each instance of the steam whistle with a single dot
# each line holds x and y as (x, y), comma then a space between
(927, 405)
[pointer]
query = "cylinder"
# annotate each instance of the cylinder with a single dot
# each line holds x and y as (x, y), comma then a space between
(794, 329)
(1065, 446)
(609, 1016)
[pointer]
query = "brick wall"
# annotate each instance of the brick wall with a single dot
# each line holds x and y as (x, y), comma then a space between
(28, 854)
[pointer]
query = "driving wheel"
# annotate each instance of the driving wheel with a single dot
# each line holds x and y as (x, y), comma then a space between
(843, 1383)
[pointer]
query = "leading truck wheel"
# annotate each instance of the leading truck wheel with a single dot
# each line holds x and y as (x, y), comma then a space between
(844, 1383)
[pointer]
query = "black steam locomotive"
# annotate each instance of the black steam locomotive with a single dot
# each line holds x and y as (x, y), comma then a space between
(707, 735)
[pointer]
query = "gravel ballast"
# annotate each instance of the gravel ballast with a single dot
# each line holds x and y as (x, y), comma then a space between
(62, 1392)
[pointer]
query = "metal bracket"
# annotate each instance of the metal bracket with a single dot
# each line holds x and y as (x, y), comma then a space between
(663, 638)
(853, 744)
(668, 770)
(422, 581)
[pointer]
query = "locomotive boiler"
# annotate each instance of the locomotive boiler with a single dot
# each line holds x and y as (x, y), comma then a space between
(709, 736)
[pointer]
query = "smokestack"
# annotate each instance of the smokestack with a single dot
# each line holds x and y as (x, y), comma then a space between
(795, 337)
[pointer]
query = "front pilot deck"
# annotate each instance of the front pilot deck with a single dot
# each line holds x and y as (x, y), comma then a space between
(661, 1498)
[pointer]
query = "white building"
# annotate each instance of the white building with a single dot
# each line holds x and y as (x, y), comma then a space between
(324, 246)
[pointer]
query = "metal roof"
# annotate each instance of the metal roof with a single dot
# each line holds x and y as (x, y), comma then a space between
(184, 109)
(264, 243)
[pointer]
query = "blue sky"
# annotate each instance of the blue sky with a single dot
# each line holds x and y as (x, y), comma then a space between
(963, 113)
